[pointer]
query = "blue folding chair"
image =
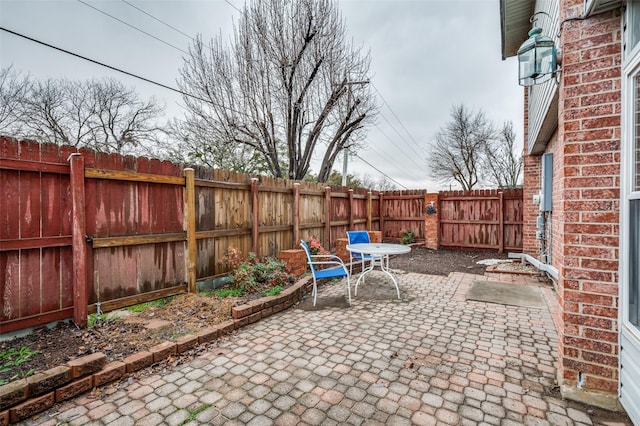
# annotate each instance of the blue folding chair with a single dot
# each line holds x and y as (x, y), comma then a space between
(358, 237)
(337, 270)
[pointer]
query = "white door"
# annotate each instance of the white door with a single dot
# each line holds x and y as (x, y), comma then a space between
(630, 231)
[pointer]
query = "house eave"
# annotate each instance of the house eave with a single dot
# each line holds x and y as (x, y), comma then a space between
(514, 24)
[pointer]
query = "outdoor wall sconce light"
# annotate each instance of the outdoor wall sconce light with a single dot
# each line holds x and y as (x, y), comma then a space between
(537, 58)
(431, 208)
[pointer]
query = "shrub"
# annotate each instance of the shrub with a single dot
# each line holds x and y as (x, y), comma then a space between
(233, 258)
(314, 245)
(407, 237)
(253, 274)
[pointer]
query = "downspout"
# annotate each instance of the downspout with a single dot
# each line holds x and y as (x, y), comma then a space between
(544, 267)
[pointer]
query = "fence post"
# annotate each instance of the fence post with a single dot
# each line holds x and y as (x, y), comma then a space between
(255, 227)
(369, 210)
(296, 214)
(426, 221)
(78, 238)
(501, 224)
(351, 224)
(190, 219)
(381, 211)
(431, 222)
(327, 217)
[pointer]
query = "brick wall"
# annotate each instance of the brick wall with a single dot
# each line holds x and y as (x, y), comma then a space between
(295, 260)
(587, 216)
(531, 186)
(555, 220)
(431, 224)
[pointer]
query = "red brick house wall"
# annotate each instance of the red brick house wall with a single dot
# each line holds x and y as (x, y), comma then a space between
(531, 186)
(587, 201)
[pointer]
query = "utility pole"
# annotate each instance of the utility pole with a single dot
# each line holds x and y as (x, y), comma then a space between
(345, 152)
(345, 157)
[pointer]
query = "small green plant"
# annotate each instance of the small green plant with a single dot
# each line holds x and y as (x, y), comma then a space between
(95, 318)
(407, 237)
(226, 292)
(140, 307)
(193, 412)
(273, 291)
(12, 359)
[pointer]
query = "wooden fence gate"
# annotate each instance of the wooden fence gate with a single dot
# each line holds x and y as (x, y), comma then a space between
(482, 219)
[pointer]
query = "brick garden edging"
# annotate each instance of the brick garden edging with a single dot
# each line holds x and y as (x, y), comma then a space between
(23, 398)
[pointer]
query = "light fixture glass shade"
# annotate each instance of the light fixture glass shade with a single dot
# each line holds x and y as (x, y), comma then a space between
(536, 59)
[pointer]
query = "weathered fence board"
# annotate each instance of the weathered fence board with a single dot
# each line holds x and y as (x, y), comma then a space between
(311, 210)
(34, 233)
(403, 211)
(482, 219)
(128, 213)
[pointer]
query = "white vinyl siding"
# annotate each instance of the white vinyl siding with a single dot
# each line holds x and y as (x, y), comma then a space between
(543, 98)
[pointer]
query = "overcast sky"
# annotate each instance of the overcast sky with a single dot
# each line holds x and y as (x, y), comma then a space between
(427, 55)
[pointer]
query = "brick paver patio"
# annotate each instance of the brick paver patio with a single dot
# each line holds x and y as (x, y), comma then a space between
(430, 358)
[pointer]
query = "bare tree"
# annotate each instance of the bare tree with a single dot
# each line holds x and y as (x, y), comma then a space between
(288, 78)
(56, 111)
(503, 162)
(123, 120)
(13, 88)
(191, 143)
(457, 151)
(99, 114)
(382, 184)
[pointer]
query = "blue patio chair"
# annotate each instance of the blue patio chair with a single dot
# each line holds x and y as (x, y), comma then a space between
(335, 269)
(358, 237)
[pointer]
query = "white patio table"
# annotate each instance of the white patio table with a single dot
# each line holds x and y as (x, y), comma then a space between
(379, 252)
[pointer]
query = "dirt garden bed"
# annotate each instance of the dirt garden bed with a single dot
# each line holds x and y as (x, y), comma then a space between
(130, 332)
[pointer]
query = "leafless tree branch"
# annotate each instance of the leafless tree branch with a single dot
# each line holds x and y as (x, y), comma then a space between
(283, 86)
(458, 150)
(503, 162)
(100, 114)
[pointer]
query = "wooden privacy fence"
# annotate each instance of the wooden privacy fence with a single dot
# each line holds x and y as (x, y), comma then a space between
(481, 219)
(82, 231)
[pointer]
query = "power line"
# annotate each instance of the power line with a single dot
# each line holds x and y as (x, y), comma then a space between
(396, 162)
(378, 170)
(167, 24)
(132, 26)
(164, 86)
(387, 158)
(130, 74)
(407, 144)
(399, 166)
(396, 116)
(158, 19)
(396, 145)
(232, 5)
